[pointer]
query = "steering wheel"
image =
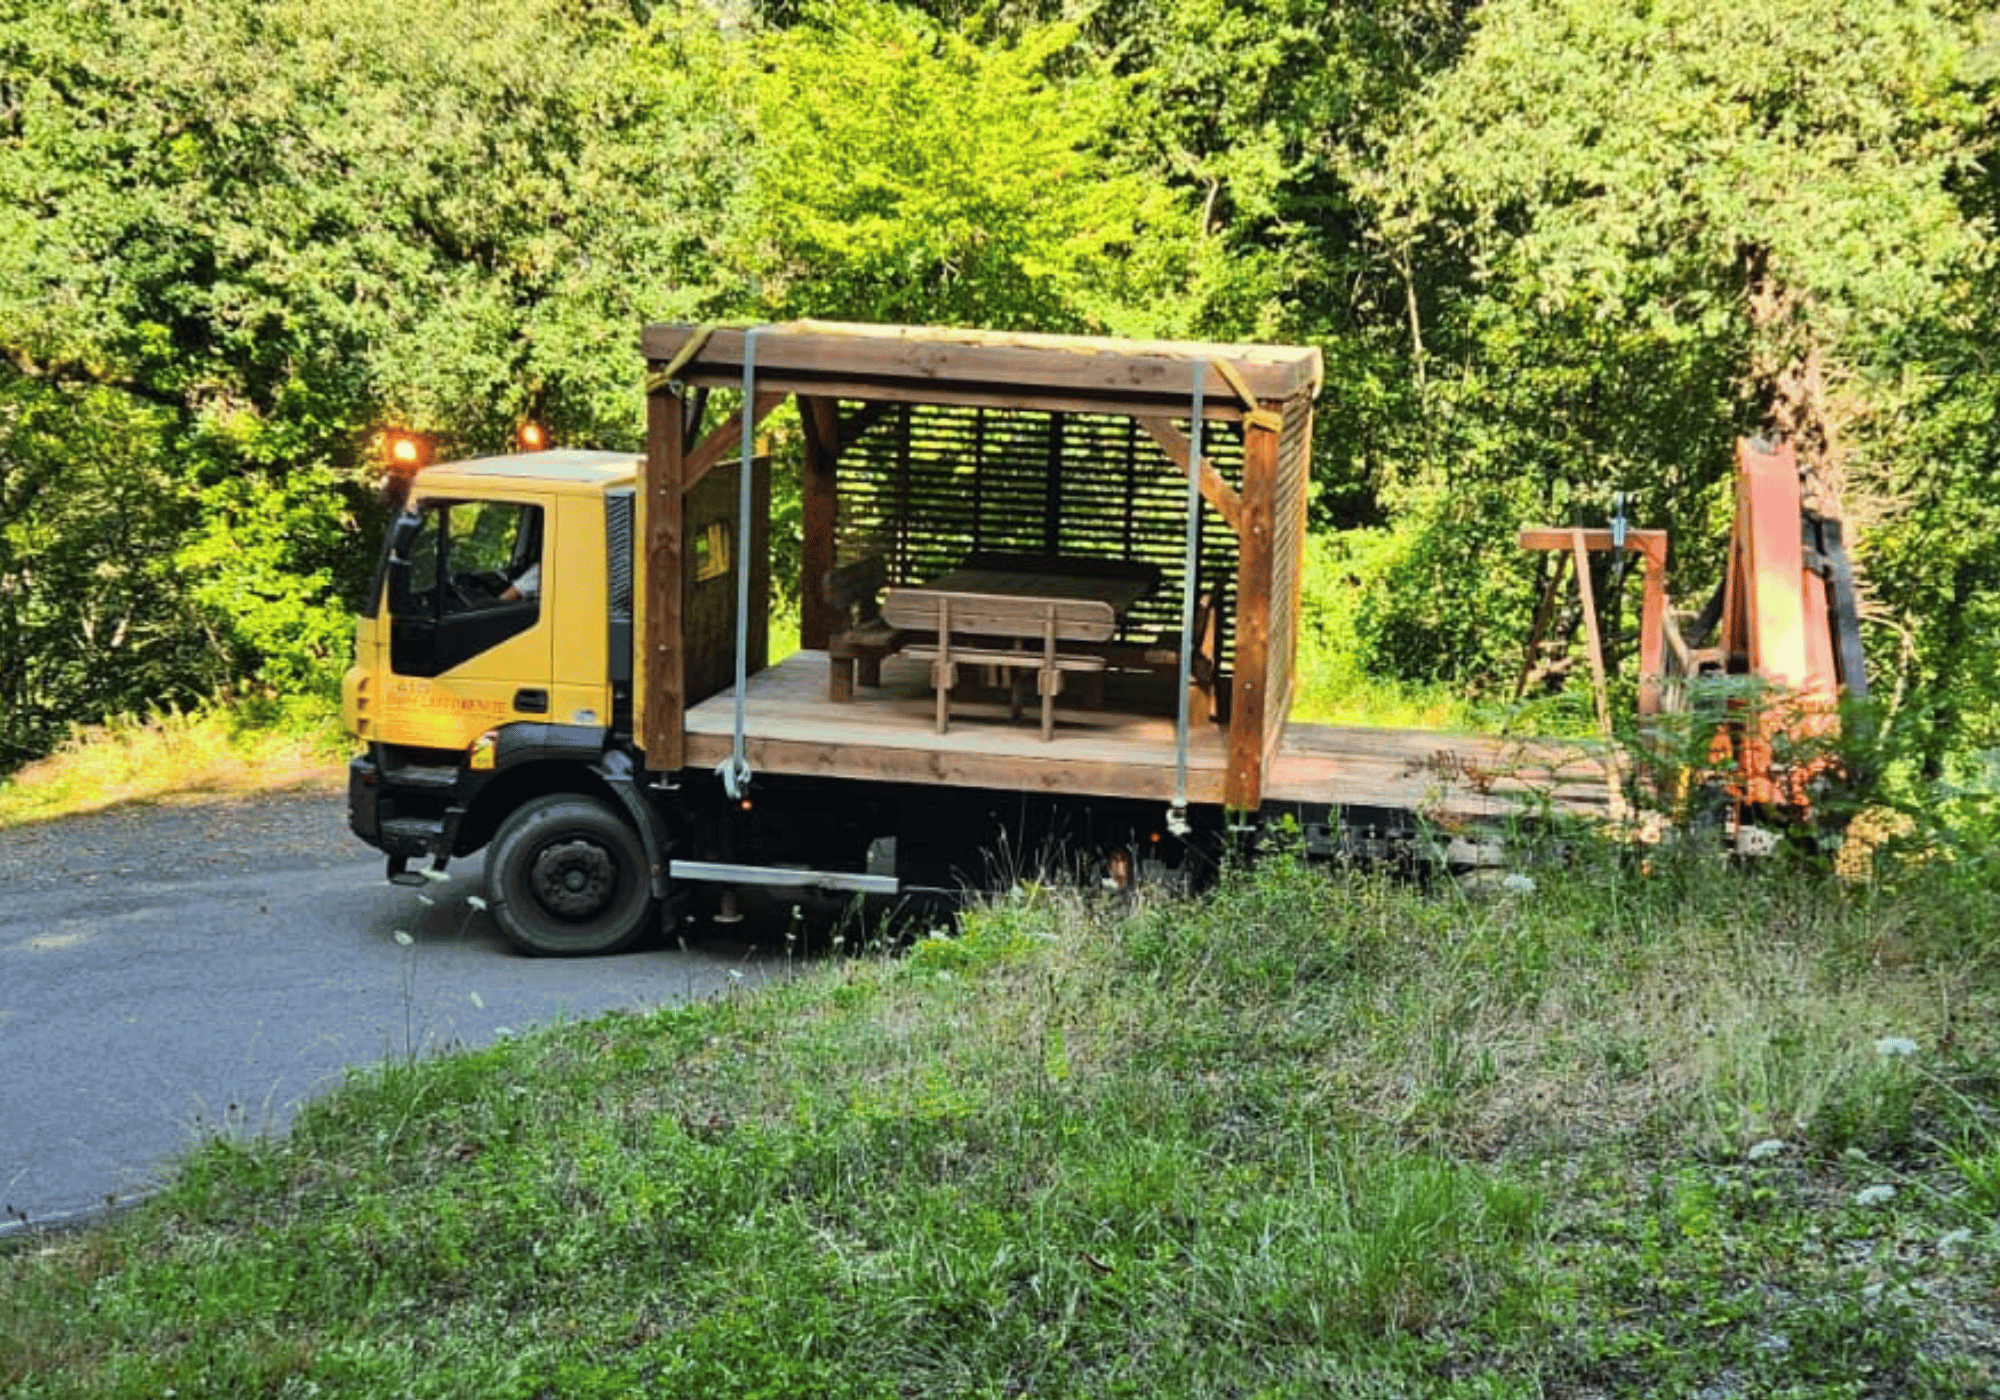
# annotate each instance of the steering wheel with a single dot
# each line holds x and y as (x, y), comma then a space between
(470, 590)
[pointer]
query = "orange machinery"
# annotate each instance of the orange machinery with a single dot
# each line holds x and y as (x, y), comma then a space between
(1787, 615)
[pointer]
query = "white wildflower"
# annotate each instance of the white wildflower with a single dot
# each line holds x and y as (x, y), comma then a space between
(503, 1032)
(1517, 883)
(736, 974)
(476, 902)
(404, 939)
(478, 1001)
(1769, 1147)
(1874, 1195)
(1895, 1046)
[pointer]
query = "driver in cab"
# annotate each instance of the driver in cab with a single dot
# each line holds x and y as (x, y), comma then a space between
(525, 585)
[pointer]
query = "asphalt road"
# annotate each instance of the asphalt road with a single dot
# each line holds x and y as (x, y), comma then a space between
(172, 972)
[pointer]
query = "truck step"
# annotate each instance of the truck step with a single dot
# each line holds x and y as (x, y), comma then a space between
(412, 834)
(413, 775)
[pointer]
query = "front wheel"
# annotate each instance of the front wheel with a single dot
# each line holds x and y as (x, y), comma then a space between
(566, 875)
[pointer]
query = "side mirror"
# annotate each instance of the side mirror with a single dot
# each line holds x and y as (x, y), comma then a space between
(402, 535)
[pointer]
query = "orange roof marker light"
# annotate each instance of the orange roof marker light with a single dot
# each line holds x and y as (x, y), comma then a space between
(534, 437)
(407, 452)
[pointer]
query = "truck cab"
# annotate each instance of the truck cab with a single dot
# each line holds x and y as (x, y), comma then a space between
(493, 659)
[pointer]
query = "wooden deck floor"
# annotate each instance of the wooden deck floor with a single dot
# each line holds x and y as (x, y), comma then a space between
(1124, 750)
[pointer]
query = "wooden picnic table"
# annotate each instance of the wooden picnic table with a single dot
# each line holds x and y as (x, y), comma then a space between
(987, 611)
(1116, 583)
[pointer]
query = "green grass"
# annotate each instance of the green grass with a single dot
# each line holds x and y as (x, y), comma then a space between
(1335, 685)
(214, 752)
(1308, 1136)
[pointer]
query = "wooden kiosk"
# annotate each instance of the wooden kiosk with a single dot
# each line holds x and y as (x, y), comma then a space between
(941, 450)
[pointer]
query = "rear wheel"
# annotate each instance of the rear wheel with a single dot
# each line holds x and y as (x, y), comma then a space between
(567, 875)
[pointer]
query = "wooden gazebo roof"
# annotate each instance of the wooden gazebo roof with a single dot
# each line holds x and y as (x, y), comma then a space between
(929, 364)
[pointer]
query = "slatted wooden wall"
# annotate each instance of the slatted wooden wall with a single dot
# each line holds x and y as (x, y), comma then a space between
(928, 485)
(1288, 539)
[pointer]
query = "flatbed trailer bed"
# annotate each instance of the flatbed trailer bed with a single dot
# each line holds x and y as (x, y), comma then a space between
(1126, 749)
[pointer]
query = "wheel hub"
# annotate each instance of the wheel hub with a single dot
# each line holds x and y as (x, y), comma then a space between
(574, 879)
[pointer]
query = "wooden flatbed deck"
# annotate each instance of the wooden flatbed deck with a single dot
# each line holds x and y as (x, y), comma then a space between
(1125, 749)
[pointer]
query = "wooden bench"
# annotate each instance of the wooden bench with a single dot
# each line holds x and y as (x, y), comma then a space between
(986, 629)
(860, 638)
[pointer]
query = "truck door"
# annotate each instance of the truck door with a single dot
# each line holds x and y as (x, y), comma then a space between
(469, 639)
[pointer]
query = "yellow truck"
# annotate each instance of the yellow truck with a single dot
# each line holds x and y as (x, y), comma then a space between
(1048, 592)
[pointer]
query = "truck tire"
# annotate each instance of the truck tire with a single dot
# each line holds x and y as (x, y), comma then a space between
(567, 876)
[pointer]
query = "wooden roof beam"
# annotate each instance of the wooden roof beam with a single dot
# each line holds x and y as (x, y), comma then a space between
(724, 438)
(1217, 492)
(1036, 367)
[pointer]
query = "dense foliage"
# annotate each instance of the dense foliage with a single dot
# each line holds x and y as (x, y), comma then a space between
(1552, 249)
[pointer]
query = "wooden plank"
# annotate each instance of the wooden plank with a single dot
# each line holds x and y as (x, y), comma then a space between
(662, 687)
(1217, 492)
(970, 395)
(1653, 626)
(1117, 583)
(999, 615)
(1644, 542)
(1012, 660)
(1587, 593)
(1060, 773)
(888, 737)
(1449, 777)
(820, 511)
(724, 440)
(1248, 696)
(789, 698)
(946, 356)
(1442, 776)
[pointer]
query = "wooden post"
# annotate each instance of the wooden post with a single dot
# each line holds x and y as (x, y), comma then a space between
(1050, 678)
(820, 507)
(1652, 628)
(663, 675)
(1243, 783)
(943, 677)
(1588, 594)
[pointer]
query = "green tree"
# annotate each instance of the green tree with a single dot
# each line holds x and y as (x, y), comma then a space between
(906, 172)
(1626, 233)
(271, 228)
(91, 613)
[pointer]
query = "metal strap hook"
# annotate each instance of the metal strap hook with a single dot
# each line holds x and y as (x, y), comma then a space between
(1177, 819)
(735, 770)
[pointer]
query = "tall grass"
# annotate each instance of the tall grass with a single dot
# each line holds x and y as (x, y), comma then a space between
(219, 750)
(1309, 1136)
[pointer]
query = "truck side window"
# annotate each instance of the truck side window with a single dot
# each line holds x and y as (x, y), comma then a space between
(490, 546)
(473, 581)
